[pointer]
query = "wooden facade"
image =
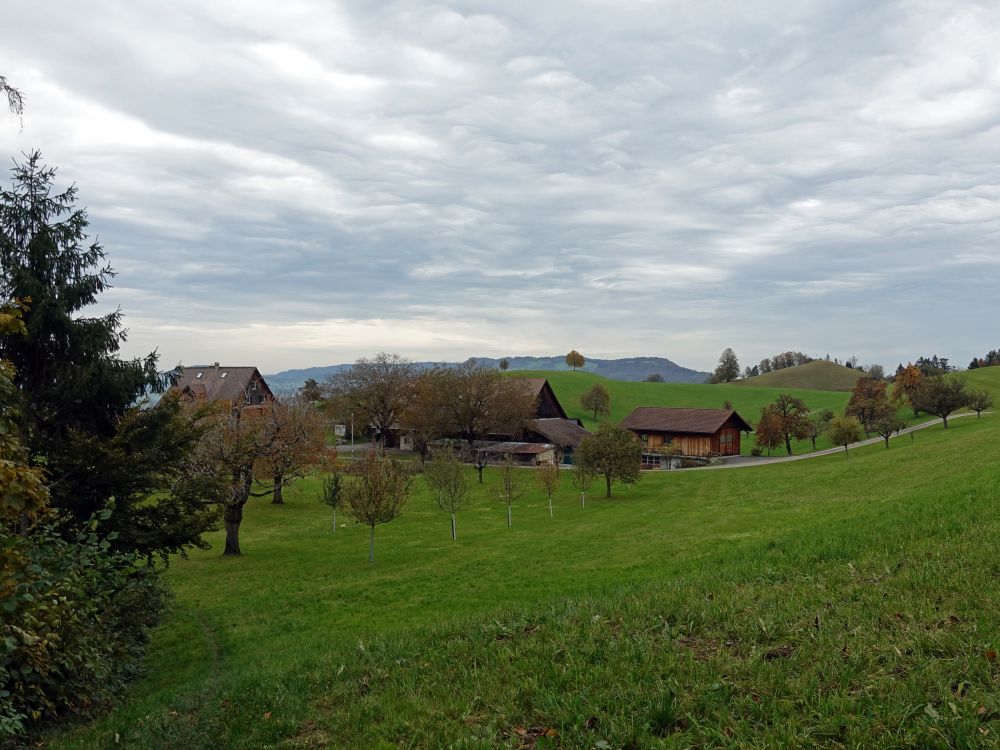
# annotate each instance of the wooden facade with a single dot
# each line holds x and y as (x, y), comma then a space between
(689, 432)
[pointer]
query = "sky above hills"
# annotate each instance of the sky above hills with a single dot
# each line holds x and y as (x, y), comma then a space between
(298, 183)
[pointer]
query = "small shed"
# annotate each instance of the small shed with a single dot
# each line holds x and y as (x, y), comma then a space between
(565, 434)
(526, 454)
(692, 432)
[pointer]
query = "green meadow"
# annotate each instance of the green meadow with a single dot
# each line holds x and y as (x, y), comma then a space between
(835, 602)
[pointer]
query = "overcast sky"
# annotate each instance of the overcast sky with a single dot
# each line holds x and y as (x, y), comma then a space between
(301, 183)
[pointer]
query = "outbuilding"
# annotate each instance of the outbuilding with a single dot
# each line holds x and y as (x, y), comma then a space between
(690, 432)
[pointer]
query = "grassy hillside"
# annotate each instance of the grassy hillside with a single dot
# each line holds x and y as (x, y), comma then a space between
(570, 386)
(819, 375)
(826, 603)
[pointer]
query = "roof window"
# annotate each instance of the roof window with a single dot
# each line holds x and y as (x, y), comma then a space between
(198, 376)
(223, 374)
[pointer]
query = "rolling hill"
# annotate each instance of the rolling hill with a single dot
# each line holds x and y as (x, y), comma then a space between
(818, 375)
(629, 368)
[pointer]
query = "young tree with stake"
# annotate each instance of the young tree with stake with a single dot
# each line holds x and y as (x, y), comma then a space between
(332, 492)
(377, 496)
(509, 487)
(445, 476)
(547, 476)
(583, 477)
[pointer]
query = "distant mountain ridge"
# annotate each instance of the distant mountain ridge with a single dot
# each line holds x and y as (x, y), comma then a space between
(629, 368)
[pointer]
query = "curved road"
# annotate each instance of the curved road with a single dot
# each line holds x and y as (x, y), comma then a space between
(742, 462)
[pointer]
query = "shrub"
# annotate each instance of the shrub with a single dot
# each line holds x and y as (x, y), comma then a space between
(73, 624)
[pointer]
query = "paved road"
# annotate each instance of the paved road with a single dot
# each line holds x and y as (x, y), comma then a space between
(741, 462)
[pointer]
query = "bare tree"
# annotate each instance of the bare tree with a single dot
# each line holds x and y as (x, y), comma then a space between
(583, 476)
(510, 486)
(445, 476)
(377, 496)
(377, 391)
(547, 476)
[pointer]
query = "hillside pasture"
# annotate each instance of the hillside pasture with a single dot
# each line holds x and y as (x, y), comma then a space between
(818, 375)
(831, 602)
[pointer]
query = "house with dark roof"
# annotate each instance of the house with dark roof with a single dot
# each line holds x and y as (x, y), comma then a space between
(689, 432)
(240, 386)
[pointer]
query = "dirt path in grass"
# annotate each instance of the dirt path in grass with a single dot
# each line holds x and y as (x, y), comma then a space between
(742, 462)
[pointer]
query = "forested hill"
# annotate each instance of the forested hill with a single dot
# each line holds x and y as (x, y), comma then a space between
(629, 368)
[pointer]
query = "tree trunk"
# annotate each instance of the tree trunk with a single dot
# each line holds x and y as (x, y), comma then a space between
(371, 547)
(845, 452)
(945, 420)
(232, 519)
(278, 497)
(480, 470)
(788, 444)
(814, 443)
(334, 520)
(551, 514)
(607, 479)
(509, 520)
(454, 533)
(886, 440)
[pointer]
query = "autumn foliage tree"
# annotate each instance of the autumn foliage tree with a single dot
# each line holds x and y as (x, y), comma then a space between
(297, 444)
(468, 401)
(788, 415)
(612, 452)
(378, 494)
(886, 422)
(768, 433)
(907, 385)
(574, 359)
(596, 399)
(868, 400)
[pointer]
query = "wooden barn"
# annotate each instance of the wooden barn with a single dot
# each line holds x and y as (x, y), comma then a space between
(241, 386)
(548, 405)
(693, 432)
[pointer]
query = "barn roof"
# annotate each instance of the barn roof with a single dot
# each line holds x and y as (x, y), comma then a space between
(537, 387)
(516, 448)
(564, 432)
(694, 421)
(215, 382)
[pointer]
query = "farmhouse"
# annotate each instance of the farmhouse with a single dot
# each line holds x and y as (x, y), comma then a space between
(525, 454)
(211, 383)
(689, 432)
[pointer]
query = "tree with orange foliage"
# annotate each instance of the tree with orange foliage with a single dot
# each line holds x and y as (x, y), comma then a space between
(909, 381)
(298, 442)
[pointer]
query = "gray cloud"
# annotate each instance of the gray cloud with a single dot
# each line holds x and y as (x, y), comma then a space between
(307, 182)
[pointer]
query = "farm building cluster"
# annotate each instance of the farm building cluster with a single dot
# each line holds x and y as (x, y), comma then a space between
(669, 436)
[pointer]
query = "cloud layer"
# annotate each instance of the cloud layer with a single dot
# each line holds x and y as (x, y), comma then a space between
(298, 183)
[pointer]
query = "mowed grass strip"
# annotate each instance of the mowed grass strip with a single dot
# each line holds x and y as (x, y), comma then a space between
(833, 602)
